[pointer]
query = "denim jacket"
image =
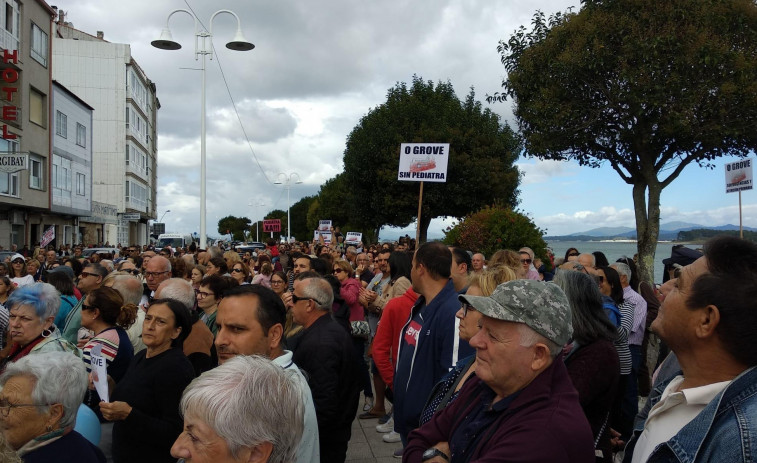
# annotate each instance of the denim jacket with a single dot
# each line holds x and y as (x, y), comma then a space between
(724, 431)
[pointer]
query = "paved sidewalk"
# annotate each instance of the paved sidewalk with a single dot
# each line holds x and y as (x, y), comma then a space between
(366, 445)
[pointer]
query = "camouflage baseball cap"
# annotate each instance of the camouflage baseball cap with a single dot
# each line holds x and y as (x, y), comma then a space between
(541, 306)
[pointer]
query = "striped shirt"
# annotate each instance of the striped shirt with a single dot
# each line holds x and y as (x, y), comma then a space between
(639, 305)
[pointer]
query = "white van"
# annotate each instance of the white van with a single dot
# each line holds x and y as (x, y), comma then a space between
(175, 240)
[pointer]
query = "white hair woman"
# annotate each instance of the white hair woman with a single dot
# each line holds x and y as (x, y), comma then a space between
(246, 410)
(40, 396)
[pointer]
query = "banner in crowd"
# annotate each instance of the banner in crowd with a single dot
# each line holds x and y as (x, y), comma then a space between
(48, 237)
(324, 225)
(423, 162)
(353, 238)
(271, 225)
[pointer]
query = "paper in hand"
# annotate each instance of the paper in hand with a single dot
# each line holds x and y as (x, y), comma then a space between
(99, 372)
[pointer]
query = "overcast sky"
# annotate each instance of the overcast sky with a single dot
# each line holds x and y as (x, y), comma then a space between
(317, 67)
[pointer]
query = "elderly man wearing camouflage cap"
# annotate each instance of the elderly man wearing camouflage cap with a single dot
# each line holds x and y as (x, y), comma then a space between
(522, 405)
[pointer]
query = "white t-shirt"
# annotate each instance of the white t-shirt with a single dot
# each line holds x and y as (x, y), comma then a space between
(23, 281)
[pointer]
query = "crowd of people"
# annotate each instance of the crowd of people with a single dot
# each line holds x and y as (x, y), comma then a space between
(213, 355)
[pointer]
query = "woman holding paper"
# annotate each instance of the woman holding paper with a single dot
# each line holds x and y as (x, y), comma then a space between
(145, 403)
(104, 312)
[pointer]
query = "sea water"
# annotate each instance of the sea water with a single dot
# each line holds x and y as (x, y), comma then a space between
(617, 249)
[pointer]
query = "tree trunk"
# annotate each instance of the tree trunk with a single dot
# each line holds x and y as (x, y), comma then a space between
(647, 211)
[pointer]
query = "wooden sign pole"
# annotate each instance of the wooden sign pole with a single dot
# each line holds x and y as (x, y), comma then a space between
(418, 226)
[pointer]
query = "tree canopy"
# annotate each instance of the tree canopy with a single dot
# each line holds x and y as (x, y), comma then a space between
(480, 169)
(646, 86)
(238, 226)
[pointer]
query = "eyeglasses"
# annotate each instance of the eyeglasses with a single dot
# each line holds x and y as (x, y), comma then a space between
(88, 274)
(5, 407)
(296, 299)
(203, 294)
(154, 274)
(337, 271)
(133, 271)
(466, 307)
(525, 261)
(277, 282)
(87, 307)
(573, 254)
(237, 270)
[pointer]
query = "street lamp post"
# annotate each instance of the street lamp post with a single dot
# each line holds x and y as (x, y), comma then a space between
(164, 214)
(203, 48)
(257, 222)
(287, 184)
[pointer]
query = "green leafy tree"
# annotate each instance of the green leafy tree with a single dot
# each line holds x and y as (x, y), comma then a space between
(494, 228)
(646, 86)
(238, 226)
(480, 169)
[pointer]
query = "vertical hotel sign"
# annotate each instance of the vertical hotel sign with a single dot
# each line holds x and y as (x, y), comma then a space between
(9, 76)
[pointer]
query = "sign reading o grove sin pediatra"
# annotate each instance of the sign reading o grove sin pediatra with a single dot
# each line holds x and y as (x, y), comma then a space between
(738, 175)
(423, 162)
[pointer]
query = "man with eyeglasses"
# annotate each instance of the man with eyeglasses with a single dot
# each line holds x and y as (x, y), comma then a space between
(325, 352)
(90, 279)
(157, 270)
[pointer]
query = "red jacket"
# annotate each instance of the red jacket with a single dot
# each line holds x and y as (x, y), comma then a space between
(393, 318)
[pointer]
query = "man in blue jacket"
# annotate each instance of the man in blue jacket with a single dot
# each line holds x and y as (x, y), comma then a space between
(430, 344)
(706, 412)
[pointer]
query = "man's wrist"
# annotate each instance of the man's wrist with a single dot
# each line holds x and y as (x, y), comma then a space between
(434, 452)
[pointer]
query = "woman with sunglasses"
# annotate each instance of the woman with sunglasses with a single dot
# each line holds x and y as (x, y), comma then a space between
(571, 254)
(19, 274)
(104, 313)
(240, 272)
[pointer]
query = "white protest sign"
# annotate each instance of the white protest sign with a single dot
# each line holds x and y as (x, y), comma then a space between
(324, 225)
(326, 237)
(353, 238)
(423, 162)
(99, 372)
(738, 176)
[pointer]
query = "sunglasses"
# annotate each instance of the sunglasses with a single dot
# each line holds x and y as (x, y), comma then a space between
(601, 279)
(133, 271)
(296, 299)
(87, 274)
(338, 271)
(525, 261)
(87, 307)
(573, 254)
(466, 307)
(237, 270)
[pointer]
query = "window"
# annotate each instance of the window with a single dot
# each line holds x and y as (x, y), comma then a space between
(136, 195)
(81, 186)
(61, 124)
(35, 172)
(37, 107)
(81, 135)
(39, 45)
(61, 173)
(12, 18)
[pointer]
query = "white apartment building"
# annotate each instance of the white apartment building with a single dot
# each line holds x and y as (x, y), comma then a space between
(71, 173)
(124, 141)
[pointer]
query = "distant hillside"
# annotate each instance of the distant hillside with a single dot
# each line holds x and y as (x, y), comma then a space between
(668, 232)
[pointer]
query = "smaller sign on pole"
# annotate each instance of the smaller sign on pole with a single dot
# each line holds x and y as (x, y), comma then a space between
(353, 238)
(271, 225)
(738, 176)
(131, 217)
(324, 225)
(48, 237)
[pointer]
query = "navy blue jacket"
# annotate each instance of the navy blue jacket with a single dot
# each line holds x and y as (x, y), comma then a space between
(437, 350)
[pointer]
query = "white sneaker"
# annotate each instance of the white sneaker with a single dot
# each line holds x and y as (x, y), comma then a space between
(391, 437)
(386, 427)
(368, 404)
